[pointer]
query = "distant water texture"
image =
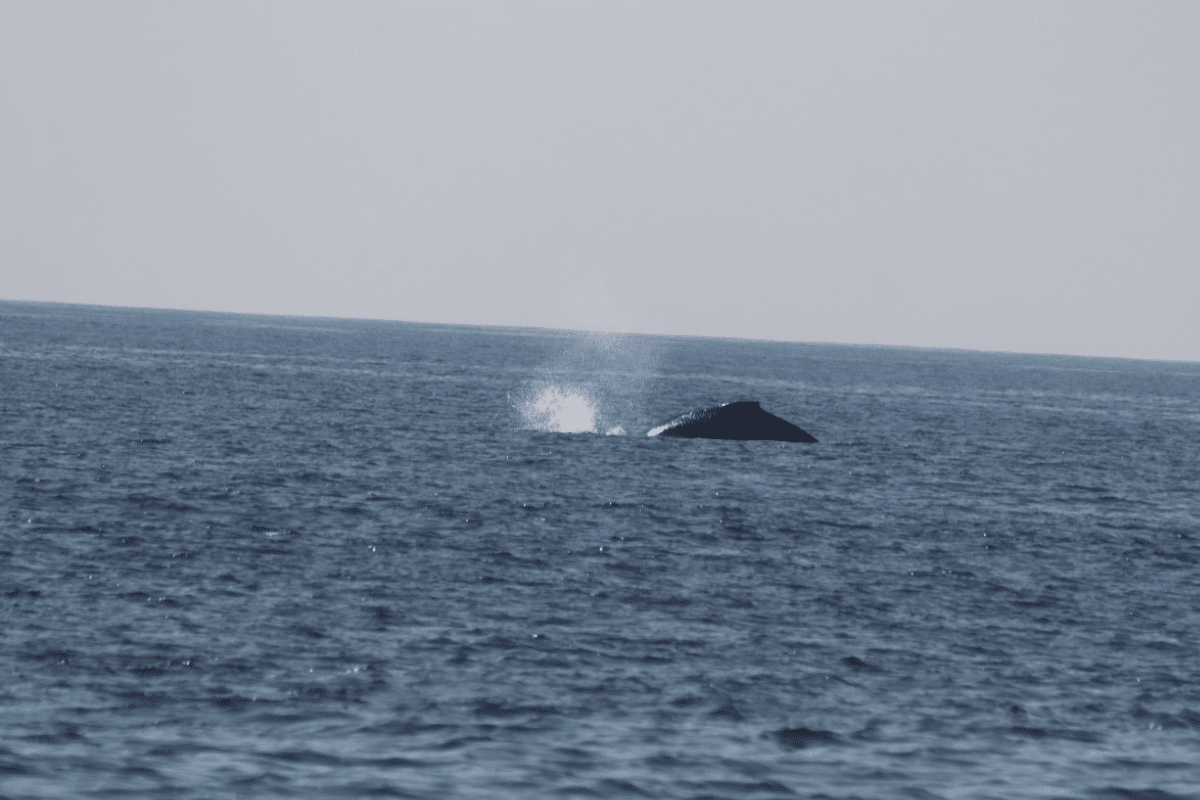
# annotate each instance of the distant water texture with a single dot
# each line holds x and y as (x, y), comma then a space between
(263, 557)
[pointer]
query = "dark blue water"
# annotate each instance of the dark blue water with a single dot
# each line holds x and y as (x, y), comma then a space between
(276, 557)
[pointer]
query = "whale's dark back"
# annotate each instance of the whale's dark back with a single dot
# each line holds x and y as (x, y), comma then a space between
(744, 420)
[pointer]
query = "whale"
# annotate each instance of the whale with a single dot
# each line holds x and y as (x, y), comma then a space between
(744, 420)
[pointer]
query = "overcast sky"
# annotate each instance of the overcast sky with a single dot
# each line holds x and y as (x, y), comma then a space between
(998, 176)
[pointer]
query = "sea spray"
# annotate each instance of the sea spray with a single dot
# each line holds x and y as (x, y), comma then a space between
(594, 383)
(561, 410)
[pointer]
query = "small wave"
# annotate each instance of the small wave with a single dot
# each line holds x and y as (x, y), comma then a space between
(800, 738)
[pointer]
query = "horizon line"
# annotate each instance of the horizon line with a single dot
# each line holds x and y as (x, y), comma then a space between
(935, 348)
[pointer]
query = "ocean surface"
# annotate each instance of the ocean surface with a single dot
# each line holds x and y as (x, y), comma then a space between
(266, 557)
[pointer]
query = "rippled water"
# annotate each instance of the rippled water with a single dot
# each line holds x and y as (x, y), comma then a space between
(277, 557)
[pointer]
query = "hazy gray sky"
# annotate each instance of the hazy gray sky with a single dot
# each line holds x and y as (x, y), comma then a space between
(1004, 176)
